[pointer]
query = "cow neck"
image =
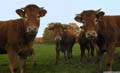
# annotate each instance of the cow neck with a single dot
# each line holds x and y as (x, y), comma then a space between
(21, 29)
(29, 38)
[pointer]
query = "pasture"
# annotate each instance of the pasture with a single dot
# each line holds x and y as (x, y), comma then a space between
(45, 57)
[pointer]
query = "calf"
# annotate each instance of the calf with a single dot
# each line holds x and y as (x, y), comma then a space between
(85, 44)
(17, 36)
(64, 41)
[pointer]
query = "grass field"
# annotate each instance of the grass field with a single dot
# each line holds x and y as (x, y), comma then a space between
(45, 56)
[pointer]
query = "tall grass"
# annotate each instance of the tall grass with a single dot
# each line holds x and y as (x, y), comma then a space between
(45, 57)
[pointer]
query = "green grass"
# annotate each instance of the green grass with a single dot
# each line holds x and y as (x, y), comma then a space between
(45, 56)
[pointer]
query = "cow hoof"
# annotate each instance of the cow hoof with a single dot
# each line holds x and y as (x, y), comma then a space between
(70, 62)
(99, 71)
(35, 64)
(56, 63)
(97, 62)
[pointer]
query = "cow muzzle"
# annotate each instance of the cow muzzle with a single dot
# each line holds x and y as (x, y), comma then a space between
(91, 34)
(32, 29)
(58, 38)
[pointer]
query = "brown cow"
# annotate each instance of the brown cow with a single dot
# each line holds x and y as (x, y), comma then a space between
(17, 36)
(85, 44)
(64, 41)
(104, 28)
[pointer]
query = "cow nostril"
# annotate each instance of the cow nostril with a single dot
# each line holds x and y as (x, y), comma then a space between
(88, 34)
(94, 33)
(28, 29)
(35, 29)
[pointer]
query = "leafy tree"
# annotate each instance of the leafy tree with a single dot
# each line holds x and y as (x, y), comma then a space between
(74, 28)
(48, 34)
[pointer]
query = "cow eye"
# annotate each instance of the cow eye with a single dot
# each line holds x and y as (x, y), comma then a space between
(38, 16)
(83, 21)
(26, 15)
(96, 21)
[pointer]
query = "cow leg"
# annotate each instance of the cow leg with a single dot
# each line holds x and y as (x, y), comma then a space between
(71, 56)
(88, 49)
(110, 56)
(22, 65)
(99, 61)
(100, 52)
(92, 50)
(110, 61)
(68, 53)
(12, 55)
(88, 53)
(65, 55)
(33, 59)
(82, 53)
(57, 55)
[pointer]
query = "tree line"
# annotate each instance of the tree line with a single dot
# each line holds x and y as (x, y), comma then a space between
(48, 34)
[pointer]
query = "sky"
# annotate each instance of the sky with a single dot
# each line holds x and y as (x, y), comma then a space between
(58, 10)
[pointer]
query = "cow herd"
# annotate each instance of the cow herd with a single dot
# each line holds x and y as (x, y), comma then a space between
(17, 36)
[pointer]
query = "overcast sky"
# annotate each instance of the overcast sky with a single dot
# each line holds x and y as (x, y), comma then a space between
(58, 10)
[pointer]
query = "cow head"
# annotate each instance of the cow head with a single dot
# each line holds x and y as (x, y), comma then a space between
(58, 30)
(31, 15)
(90, 19)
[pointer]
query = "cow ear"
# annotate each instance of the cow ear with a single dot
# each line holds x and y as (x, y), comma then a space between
(42, 12)
(100, 14)
(82, 27)
(21, 12)
(78, 18)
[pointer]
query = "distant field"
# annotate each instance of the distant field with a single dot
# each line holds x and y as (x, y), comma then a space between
(45, 56)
